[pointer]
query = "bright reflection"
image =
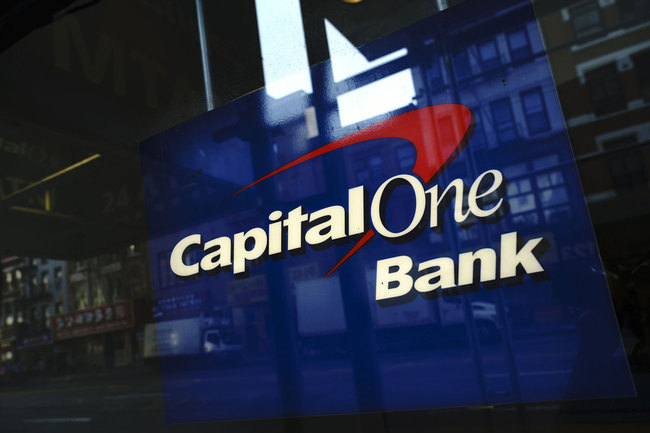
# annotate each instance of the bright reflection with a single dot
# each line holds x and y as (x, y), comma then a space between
(379, 97)
(347, 61)
(284, 51)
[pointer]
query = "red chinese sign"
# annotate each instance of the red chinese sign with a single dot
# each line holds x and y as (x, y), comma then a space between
(110, 317)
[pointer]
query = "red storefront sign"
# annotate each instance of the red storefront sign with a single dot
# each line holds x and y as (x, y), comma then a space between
(110, 317)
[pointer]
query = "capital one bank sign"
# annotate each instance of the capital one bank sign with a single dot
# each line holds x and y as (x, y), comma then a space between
(336, 223)
(431, 180)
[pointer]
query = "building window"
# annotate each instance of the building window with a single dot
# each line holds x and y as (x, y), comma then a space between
(461, 64)
(361, 173)
(58, 278)
(434, 74)
(504, 122)
(369, 170)
(633, 10)
(34, 282)
(489, 55)
(605, 89)
(45, 288)
(376, 169)
(552, 194)
(626, 165)
(586, 20)
(47, 315)
(535, 111)
(518, 45)
(521, 197)
(542, 197)
(9, 281)
(642, 67)
(478, 138)
(522, 202)
(405, 157)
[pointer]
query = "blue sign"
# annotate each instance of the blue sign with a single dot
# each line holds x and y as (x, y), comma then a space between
(411, 234)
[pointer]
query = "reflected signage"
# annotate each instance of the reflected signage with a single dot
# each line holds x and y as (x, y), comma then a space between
(105, 318)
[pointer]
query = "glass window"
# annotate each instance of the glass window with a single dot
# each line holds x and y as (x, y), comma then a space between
(550, 179)
(553, 196)
(376, 169)
(642, 66)
(633, 10)
(462, 66)
(605, 89)
(489, 55)
(518, 44)
(504, 122)
(478, 138)
(96, 78)
(521, 198)
(361, 172)
(522, 203)
(45, 281)
(546, 162)
(434, 73)
(626, 165)
(405, 157)
(586, 19)
(535, 111)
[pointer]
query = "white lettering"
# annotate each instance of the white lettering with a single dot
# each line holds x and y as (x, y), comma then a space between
(332, 228)
(418, 212)
(488, 268)
(220, 257)
(511, 258)
(400, 275)
(241, 253)
(176, 258)
(474, 208)
(441, 278)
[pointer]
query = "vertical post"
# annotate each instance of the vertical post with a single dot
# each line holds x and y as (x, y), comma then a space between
(356, 305)
(205, 60)
(443, 34)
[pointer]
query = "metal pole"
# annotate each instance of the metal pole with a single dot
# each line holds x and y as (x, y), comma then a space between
(205, 60)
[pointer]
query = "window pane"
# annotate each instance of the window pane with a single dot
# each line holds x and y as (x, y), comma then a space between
(461, 64)
(503, 120)
(535, 111)
(586, 19)
(518, 43)
(489, 55)
(550, 197)
(605, 89)
(522, 203)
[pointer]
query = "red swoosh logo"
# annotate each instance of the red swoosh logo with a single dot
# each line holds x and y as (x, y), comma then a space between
(438, 132)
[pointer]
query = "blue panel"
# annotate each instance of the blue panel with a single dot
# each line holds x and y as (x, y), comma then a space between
(284, 340)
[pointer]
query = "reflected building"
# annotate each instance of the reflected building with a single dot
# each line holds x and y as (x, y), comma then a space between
(108, 302)
(33, 291)
(599, 52)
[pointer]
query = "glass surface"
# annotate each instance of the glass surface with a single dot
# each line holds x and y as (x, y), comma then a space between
(83, 83)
